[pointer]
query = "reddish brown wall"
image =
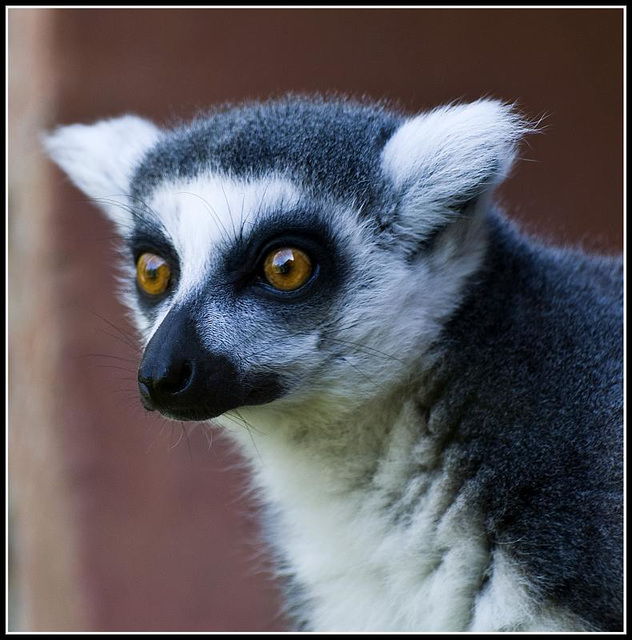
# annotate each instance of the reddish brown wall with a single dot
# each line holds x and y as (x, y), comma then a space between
(164, 540)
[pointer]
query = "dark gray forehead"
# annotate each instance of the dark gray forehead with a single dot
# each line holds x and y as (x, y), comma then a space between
(330, 146)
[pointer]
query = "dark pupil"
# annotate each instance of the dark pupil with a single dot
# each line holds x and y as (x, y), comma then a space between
(282, 261)
(152, 269)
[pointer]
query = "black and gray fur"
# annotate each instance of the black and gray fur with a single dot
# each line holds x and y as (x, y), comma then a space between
(457, 432)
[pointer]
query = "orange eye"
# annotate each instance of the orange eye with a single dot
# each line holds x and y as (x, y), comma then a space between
(287, 268)
(153, 274)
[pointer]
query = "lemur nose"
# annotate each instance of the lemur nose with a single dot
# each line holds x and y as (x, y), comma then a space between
(183, 379)
(158, 385)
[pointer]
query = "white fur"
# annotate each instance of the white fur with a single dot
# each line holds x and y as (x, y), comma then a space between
(341, 542)
(364, 571)
(198, 215)
(505, 605)
(436, 156)
(100, 159)
(201, 213)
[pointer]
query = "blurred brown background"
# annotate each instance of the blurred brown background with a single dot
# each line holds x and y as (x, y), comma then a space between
(121, 521)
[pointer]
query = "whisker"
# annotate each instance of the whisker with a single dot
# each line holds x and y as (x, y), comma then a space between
(212, 211)
(242, 222)
(107, 355)
(162, 428)
(113, 366)
(361, 372)
(207, 430)
(186, 435)
(248, 429)
(368, 350)
(173, 426)
(126, 342)
(230, 215)
(257, 431)
(128, 336)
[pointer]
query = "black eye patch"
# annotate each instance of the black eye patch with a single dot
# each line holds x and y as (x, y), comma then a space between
(302, 229)
(146, 240)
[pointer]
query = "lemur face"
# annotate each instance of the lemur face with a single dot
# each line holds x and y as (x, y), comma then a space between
(291, 252)
(242, 292)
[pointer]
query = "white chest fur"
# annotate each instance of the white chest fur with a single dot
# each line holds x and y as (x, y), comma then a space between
(379, 543)
(383, 540)
(367, 573)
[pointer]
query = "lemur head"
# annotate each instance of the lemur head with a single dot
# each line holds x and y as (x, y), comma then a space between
(295, 253)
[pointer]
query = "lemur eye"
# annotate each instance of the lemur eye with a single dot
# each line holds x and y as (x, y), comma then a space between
(287, 268)
(153, 274)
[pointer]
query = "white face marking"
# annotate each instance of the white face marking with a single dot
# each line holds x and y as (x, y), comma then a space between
(382, 323)
(202, 212)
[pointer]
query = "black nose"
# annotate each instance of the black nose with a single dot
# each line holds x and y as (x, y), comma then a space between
(180, 377)
(161, 381)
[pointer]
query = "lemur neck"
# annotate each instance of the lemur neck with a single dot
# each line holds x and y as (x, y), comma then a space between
(370, 446)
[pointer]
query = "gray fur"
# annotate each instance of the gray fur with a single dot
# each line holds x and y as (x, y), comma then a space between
(331, 146)
(441, 406)
(531, 370)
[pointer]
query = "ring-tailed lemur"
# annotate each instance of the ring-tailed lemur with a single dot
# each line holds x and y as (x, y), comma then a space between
(437, 400)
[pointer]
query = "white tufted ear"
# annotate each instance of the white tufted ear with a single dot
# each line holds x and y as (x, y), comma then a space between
(448, 158)
(100, 159)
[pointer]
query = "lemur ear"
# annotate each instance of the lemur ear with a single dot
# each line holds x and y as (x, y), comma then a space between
(101, 158)
(443, 161)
